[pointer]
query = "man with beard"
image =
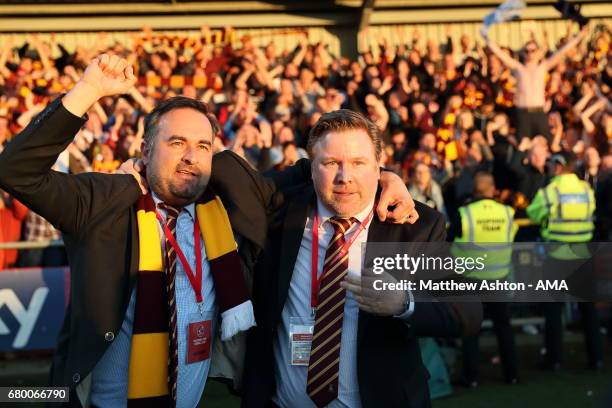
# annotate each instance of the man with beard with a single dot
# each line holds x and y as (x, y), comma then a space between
(150, 274)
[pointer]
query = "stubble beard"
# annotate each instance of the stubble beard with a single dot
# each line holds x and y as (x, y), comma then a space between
(178, 194)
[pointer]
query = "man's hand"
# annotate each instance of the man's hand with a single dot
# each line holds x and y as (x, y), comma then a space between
(109, 75)
(376, 302)
(525, 144)
(265, 134)
(105, 76)
(134, 167)
(394, 193)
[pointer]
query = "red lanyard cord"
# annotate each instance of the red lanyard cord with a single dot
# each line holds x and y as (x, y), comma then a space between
(194, 279)
(316, 280)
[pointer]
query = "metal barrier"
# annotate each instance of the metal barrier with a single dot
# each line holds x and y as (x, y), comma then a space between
(31, 244)
(36, 298)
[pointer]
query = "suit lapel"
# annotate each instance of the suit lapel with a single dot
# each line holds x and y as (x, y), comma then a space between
(293, 230)
(380, 232)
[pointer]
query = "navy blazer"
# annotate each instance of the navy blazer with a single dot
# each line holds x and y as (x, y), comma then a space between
(390, 370)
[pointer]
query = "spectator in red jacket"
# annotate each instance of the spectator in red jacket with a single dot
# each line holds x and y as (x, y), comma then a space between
(12, 213)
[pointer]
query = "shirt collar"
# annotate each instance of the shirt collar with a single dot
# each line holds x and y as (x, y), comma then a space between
(325, 214)
(190, 208)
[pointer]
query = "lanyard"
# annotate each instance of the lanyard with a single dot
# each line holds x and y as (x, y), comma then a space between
(194, 279)
(316, 280)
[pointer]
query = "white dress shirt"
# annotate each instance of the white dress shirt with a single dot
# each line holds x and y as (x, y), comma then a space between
(291, 380)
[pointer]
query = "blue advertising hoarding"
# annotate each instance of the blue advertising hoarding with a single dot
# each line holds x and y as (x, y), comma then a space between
(32, 306)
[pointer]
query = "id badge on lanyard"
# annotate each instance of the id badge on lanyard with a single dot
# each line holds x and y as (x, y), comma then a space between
(199, 336)
(301, 330)
(199, 325)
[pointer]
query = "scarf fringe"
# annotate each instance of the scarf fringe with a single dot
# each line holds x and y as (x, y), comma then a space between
(238, 318)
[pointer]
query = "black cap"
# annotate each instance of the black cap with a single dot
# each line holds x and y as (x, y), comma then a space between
(563, 158)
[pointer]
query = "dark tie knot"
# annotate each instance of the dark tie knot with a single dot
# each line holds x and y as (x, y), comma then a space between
(341, 225)
(172, 213)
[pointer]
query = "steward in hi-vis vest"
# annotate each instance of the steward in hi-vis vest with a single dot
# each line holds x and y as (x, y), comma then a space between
(490, 225)
(565, 209)
(486, 229)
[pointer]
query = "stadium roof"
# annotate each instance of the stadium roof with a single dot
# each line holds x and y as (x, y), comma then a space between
(70, 15)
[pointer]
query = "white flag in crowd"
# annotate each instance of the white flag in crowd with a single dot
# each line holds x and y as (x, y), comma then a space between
(509, 10)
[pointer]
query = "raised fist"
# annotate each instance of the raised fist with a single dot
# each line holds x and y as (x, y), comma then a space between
(109, 75)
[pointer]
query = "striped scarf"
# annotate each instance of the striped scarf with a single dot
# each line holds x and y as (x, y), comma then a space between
(148, 369)
(446, 144)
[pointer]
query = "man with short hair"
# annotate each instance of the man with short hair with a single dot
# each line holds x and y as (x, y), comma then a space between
(131, 301)
(564, 208)
(320, 339)
(489, 223)
(150, 274)
(530, 170)
(531, 81)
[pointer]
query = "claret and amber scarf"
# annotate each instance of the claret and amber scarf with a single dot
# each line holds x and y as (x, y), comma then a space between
(148, 370)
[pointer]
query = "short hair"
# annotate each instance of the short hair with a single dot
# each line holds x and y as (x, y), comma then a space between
(151, 123)
(483, 174)
(565, 159)
(397, 131)
(343, 120)
(479, 177)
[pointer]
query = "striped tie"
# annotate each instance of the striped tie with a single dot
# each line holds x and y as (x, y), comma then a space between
(324, 364)
(171, 217)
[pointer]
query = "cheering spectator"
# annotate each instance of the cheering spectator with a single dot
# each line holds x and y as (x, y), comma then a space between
(530, 96)
(528, 164)
(452, 107)
(424, 189)
(12, 213)
(37, 229)
(105, 162)
(589, 167)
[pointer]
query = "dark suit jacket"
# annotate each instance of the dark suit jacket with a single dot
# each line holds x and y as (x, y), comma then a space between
(389, 367)
(95, 213)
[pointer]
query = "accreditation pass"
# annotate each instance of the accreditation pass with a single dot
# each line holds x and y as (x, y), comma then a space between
(300, 340)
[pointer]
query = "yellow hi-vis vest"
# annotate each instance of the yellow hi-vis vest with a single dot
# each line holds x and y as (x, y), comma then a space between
(487, 231)
(571, 205)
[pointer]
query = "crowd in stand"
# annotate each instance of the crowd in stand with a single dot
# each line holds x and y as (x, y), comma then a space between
(445, 110)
